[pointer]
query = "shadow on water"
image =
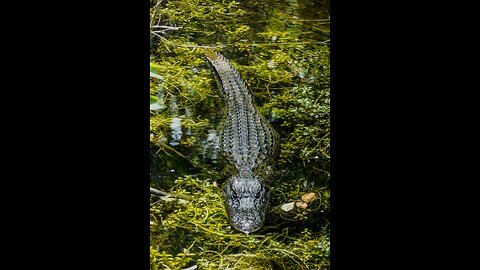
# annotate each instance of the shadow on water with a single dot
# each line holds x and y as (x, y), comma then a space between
(171, 157)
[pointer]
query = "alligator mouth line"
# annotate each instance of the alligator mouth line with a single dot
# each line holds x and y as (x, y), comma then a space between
(247, 142)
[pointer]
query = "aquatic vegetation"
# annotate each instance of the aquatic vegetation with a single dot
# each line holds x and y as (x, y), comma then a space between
(190, 227)
(282, 51)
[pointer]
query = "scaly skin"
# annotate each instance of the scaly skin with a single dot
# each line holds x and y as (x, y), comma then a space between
(247, 141)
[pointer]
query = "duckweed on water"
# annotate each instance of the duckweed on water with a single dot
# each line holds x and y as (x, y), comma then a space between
(281, 49)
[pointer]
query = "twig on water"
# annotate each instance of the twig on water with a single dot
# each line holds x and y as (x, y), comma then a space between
(167, 27)
(166, 194)
(159, 192)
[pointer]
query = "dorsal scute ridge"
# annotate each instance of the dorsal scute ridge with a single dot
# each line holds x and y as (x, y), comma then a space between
(223, 65)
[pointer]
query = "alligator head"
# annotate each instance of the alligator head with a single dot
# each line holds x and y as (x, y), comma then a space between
(246, 199)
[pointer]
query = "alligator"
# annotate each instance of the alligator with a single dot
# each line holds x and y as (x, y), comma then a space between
(247, 142)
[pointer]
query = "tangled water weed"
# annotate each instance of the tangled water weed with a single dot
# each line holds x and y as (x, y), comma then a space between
(190, 227)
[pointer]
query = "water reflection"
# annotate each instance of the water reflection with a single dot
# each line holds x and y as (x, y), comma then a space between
(188, 114)
(173, 106)
(209, 146)
(176, 127)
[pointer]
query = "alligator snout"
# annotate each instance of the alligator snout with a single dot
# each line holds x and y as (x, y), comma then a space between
(246, 201)
(247, 222)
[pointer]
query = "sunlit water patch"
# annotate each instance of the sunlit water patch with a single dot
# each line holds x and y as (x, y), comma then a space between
(209, 146)
(176, 127)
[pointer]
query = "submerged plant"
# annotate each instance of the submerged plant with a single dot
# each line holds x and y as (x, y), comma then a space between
(189, 227)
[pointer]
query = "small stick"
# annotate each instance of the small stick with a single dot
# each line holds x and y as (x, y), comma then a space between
(178, 196)
(158, 192)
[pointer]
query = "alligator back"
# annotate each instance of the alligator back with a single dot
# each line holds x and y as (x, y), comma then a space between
(247, 139)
